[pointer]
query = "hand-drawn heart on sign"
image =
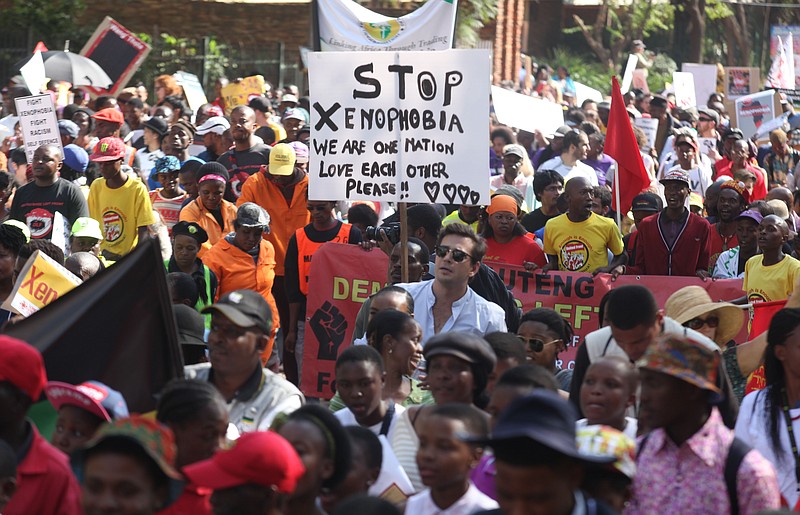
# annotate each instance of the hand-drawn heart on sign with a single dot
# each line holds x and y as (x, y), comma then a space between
(432, 190)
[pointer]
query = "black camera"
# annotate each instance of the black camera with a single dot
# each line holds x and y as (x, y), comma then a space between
(392, 231)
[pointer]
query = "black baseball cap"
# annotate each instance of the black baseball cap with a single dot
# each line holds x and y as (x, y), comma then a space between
(641, 202)
(245, 308)
(734, 132)
(191, 325)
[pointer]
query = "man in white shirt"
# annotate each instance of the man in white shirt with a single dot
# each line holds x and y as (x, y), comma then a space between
(568, 164)
(447, 303)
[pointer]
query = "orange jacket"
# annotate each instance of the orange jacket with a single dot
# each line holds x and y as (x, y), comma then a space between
(285, 218)
(195, 211)
(235, 270)
(306, 249)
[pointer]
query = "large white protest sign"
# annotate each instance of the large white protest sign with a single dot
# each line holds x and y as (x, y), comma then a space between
(400, 126)
(584, 92)
(650, 128)
(525, 112)
(195, 94)
(39, 123)
(684, 89)
(753, 110)
(347, 26)
(34, 74)
(627, 77)
(705, 80)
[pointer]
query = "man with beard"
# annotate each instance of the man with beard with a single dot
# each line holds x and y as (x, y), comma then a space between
(674, 242)
(248, 154)
(733, 199)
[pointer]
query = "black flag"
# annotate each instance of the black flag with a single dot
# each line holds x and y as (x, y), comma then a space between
(117, 328)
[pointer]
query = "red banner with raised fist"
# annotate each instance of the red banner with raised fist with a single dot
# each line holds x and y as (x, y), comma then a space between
(344, 276)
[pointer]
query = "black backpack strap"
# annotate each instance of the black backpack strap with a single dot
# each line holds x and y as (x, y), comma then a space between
(736, 454)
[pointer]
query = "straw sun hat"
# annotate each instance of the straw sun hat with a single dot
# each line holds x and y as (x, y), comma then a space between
(693, 301)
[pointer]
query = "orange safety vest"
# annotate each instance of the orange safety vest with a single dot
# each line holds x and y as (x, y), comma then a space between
(306, 249)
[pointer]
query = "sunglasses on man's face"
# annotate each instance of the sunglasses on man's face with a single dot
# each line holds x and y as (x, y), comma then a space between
(458, 255)
(697, 323)
(535, 344)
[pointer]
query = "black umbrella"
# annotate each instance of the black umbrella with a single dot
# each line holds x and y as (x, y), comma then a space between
(73, 68)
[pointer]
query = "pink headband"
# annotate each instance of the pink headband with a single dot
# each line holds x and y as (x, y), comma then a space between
(212, 177)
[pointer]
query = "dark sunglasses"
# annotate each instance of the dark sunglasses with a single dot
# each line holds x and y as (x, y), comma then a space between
(535, 344)
(705, 120)
(458, 255)
(697, 323)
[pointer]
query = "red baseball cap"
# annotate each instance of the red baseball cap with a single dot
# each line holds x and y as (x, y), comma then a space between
(108, 149)
(109, 114)
(21, 365)
(93, 396)
(261, 458)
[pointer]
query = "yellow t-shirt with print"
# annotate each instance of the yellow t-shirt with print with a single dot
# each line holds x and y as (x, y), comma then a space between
(581, 246)
(121, 212)
(768, 283)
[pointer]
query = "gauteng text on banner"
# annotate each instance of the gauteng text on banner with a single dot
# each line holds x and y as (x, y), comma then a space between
(344, 276)
(345, 25)
(400, 126)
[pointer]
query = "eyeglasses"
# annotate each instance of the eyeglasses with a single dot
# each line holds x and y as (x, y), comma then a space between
(535, 344)
(705, 120)
(697, 323)
(458, 255)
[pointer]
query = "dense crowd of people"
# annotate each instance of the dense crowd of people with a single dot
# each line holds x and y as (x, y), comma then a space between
(449, 399)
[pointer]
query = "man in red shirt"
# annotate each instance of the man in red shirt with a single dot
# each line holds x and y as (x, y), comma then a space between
(733, 199)
(675, 241)
(45, 483)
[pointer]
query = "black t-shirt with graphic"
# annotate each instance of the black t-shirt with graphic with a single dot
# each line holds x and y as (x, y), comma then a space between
(241, 165)
(37, 206)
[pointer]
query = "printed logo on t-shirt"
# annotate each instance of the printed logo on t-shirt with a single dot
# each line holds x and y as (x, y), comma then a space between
(237, 181)
(574, 255)
(113, 226)
(756, 296)
(40, 222)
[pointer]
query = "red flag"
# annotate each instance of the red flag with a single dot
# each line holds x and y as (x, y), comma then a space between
(762, 316)
(40, 47)
(621, 145)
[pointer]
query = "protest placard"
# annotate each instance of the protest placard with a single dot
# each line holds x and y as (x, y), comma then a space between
(192, 88)
(785, 31)
(239, 93)
(41, 281)
(627, 77)
(525, 112)
(400, 126)
(685, 96)
(753, 110)
(705, 80)
(584, 92)
(118, 52)
(38, 122)
(741, 81)
(34, 74)
(650, 128)
(707, 144)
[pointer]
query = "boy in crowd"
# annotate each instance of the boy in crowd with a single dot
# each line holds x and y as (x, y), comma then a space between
(82, 409)
(445, 460)
(772, 274)
(608, 390)
(168, 199)
(120, 203)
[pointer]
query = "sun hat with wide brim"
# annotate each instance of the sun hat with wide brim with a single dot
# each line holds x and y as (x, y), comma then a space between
(693, 301)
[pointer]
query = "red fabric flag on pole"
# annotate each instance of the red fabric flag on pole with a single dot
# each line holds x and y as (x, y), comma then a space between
(762, 316)
(621, 145)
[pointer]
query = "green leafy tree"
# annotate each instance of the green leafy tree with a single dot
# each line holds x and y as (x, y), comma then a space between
(472, 16)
